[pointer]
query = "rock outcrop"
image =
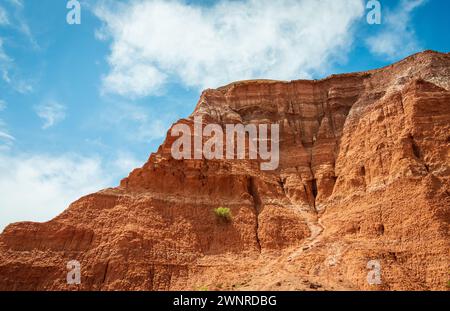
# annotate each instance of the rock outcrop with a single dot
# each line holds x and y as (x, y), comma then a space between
(363, 176)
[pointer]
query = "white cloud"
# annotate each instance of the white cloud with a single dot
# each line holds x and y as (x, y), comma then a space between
(397, 38)
(19, 22)
(39, 187)
(51, 112)
(2, 104)
(139, 78)
(135, 121)
(6, 139)
(126, 162)
(17, 3)
(4, 58)
(8, 67)
(155, 42)
(6, 136)
(4, 20)
(152, 130)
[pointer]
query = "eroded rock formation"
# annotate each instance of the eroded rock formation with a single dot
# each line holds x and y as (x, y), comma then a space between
(363, 175)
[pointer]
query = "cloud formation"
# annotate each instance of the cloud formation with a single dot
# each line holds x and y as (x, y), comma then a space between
(397, 38)
(5, 136)
(2, 104)
(52, 112)
(136, 122)
(6, 139)
(38, 187)
(4, 20)
(156, 42)
(8, 68)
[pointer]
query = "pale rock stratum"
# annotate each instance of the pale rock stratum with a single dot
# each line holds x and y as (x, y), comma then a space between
(364, 175)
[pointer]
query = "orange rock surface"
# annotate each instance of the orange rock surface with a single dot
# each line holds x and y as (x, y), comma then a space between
(364, 175)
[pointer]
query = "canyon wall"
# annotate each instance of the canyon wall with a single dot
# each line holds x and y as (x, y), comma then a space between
(363, 175)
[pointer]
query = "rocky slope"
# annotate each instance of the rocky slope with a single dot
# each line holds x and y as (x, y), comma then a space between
(364, 175)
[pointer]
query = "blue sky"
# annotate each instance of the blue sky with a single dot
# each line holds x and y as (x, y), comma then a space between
(81, 105)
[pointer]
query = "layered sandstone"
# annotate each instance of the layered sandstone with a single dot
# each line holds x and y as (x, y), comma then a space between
(363, 175)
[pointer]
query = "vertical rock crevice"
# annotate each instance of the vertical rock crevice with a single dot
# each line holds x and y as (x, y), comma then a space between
(105, 272)
(253, 191)
(312, 184)
(415, 148)
(282, 183)
(418, 154)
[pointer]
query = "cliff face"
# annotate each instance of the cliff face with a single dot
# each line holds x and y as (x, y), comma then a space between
(363, 175)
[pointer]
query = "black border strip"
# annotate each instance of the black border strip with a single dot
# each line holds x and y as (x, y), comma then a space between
(166, 300)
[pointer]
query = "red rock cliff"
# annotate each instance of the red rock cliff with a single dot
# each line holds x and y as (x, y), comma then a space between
(363, 175)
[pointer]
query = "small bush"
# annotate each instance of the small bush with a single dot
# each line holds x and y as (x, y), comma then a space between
(223, 213)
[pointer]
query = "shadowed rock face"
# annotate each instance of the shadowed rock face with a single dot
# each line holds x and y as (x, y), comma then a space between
(363, 175)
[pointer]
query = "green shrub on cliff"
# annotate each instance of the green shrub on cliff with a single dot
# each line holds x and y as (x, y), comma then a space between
(223, 213)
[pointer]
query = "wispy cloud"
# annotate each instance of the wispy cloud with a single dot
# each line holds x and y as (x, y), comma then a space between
(5, 136)
(396, 38)
(6, 139)
(6, 63)
(8, 67)
(2, 104)
(157, 42)
(125, 162)
(20, 23)
(4, 20)
(37, 187)
(17, 3)
(135, 121)
(51, 111)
